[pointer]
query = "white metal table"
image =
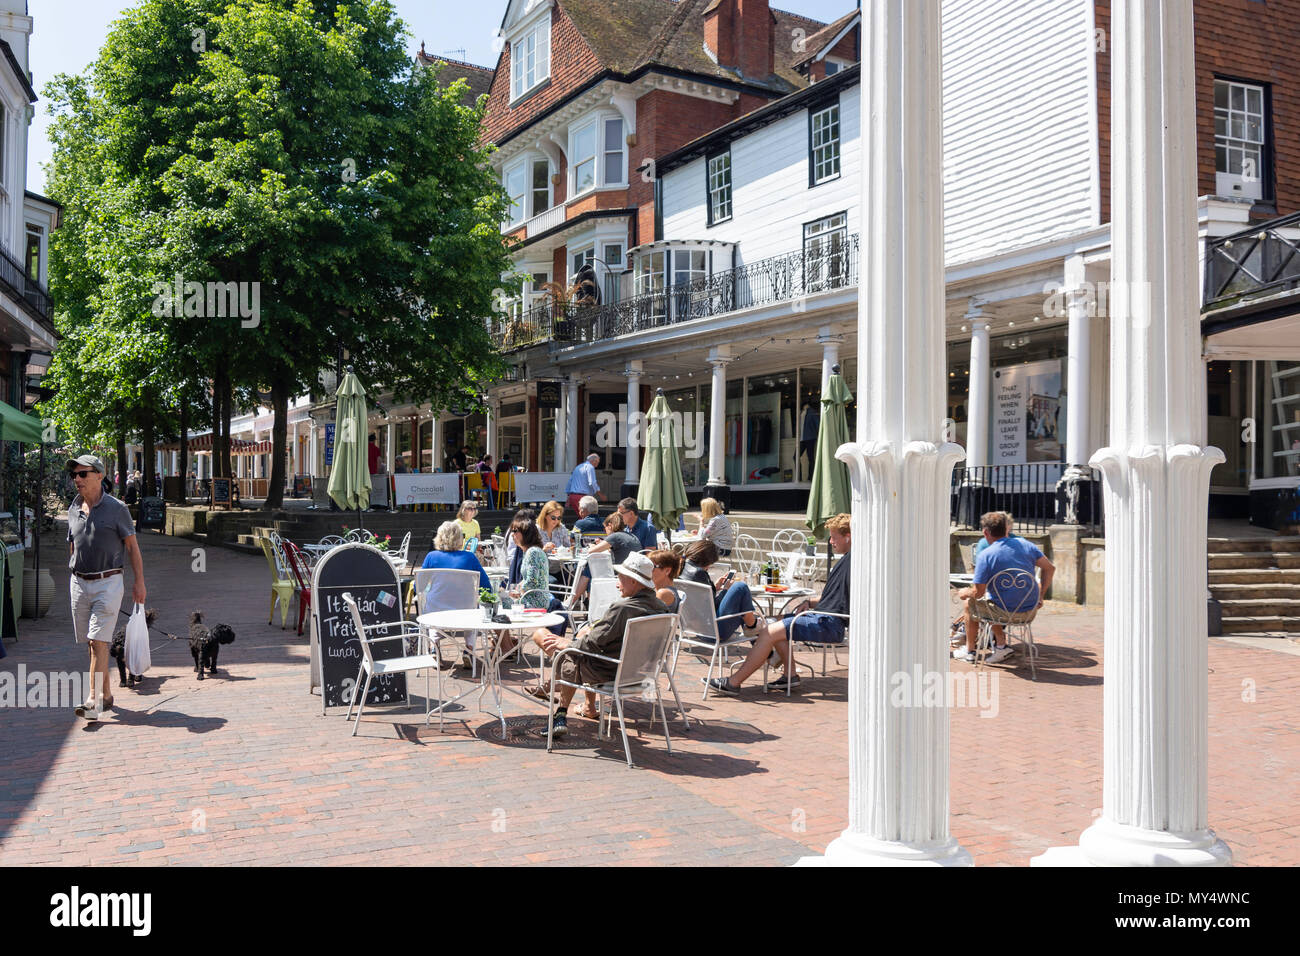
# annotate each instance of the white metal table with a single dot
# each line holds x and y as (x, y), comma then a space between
(772, 597)
(490, 651)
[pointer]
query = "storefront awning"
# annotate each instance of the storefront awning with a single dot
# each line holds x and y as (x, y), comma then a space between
(15, 426)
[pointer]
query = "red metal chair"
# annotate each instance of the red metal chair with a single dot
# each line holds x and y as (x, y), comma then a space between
(300, 568)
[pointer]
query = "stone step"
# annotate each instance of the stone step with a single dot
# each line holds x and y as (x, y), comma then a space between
(1246, 592)
(1261, 607)
(1255, 625)
(1254, 560)
(1240, 545)
(1253, 576)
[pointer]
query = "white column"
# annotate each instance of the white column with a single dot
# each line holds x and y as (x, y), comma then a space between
(977, 401)
(1078, 367)
(900, 468)
(435, 439)
(635, 436)
(1155, 753)
(315, 468)
(718, 359)
(575, 421)
(492, 429)
(561, 431)
(390, 455)
(830, 354)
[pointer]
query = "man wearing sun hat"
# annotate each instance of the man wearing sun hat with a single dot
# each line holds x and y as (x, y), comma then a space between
(636, 585)
(100, 531)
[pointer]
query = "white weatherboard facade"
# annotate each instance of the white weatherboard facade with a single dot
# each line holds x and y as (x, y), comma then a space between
(1020, 125)
(771, 198)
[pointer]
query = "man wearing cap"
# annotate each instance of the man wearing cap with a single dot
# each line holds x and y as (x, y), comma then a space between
(636, 586)
(99, 530)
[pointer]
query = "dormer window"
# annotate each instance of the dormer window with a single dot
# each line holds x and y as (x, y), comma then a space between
(530, 58)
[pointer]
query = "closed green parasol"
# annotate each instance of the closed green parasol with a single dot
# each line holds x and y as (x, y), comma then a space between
(662, 492)
(349, 483)
(830, 494)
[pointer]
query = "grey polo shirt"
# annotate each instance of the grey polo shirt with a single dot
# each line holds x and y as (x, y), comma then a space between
(97, 537)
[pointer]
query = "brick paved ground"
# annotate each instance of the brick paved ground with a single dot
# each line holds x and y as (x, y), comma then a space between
(763, 779)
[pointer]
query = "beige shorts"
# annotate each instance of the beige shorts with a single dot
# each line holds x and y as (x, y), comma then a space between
(94, 607)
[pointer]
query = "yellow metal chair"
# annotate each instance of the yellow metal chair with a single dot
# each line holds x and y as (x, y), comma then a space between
(282, 586)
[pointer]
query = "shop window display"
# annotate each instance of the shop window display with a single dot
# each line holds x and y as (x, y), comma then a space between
(771, 444)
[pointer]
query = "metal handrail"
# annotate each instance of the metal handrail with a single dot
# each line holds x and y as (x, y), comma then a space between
(781, 278)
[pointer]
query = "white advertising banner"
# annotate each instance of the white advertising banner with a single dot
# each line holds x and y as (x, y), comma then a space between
(1026, 413)
(426, 489)
(540, 486)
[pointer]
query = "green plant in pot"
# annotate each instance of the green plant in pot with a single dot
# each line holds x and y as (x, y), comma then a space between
(487, 600)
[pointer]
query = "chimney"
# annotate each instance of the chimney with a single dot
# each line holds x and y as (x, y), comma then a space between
(738, 35)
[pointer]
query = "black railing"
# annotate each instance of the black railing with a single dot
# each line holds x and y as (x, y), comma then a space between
(29, 292)
(1027, 492)
(784, 278)
(1255, 260)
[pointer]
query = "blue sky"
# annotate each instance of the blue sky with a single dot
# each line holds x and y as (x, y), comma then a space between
(68, 33)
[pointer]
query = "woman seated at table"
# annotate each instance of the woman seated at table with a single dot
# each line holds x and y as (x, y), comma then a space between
(448, 545)
(534, 578)
(550, 525)
(715, 527)
(467, 520)
(618, 541)
(667, 565)
(729, 597)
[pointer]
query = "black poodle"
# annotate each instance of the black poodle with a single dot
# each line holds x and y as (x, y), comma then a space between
(117, 650)
(205, 643)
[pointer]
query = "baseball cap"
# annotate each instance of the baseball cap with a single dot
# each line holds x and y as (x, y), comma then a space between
(86, 461)
(637, 567)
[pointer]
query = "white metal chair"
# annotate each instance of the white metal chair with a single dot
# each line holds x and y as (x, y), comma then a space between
(601, 565)
(789, 539)
(700, 627)
(645, 652)
(356, 536)
(794, 639)
(448, 589)
(331, 541)
(747, 555)
(371, 668)
(1014, 589)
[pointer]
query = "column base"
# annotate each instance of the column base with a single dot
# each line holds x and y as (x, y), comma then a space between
(719, 493)
(1115, 844)
(1078, 496)
(857, 849)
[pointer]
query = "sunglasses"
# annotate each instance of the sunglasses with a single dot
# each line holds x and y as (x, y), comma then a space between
(80, 474)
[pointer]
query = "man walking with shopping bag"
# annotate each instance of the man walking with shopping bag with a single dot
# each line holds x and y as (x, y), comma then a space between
(99, 531)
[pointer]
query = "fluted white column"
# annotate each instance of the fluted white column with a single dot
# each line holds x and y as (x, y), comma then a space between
(718, 359)
(980, 394)
(491, 443)
(435, 440)
(1155, 764)
(573, 425)
(830, 353)
(899, 467)
(561, 431)
(635, 436)
(390, 444)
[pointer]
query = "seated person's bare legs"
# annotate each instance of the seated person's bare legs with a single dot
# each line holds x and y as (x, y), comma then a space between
(538, 636)
(771, 639)
(972, 628)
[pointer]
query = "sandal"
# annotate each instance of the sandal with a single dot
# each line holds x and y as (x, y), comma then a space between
(538, 691)
(587, 714)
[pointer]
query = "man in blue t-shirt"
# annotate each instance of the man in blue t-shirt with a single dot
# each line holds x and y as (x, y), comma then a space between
(1004, 553)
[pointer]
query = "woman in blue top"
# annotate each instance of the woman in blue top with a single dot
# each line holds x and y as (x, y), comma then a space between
(448, 552)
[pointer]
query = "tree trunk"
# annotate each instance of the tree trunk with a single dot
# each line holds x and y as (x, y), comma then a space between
(218, 462)
(227, 400)
(121, 465)
(150, 469)
(279, 438)
(185, 450)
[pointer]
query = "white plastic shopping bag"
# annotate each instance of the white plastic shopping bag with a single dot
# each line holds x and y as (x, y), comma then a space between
(137, 642)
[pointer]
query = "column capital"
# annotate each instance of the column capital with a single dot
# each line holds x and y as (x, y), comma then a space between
(635, 368)
(719, 355)
(978, 316)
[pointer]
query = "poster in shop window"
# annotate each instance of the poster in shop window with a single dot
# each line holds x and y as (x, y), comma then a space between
(1027, 413)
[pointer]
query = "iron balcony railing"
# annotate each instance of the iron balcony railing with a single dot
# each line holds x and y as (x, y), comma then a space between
(785, 278)
(25, 289)
(1252, 261)
(1027, 492)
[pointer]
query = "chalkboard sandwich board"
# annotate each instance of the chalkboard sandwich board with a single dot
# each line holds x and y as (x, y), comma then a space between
(221, 492)
(363, 572)
(153, 513)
